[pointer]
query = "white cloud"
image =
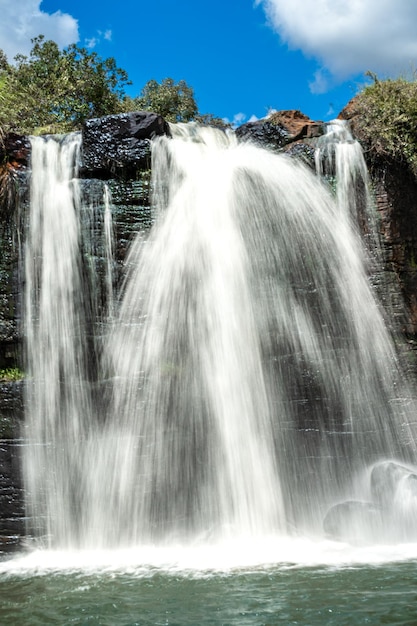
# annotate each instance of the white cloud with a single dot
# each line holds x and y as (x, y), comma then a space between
(321, 82)
(92, 42)
(348, 37)
(21, 20)
(330, 112)
(239, 118)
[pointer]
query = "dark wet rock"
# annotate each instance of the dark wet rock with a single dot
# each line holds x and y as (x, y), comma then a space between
(395, 188)
(396, 200)
(119, 143)
(11, 409)
(15, 150)
(12, 514)
(303, 152)
(263, 133)
(9, 302)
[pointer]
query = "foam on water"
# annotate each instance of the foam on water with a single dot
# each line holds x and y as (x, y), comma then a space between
(200, 560)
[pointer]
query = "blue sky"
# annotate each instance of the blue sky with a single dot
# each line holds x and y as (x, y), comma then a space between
(242, 57)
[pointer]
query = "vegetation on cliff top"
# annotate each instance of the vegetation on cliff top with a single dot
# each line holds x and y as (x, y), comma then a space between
(55, 91)
(385, 119)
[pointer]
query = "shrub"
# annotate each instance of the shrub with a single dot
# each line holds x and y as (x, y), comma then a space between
(386, 118)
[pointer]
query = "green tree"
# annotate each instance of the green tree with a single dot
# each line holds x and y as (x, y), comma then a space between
(56, 91)
(208, 119)
(174, 101)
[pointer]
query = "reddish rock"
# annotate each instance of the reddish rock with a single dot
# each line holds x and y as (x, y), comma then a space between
(15, 150)
(350, 110)
(297, 125)
(289, 131)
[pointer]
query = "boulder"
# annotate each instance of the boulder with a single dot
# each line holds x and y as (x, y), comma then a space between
(394, 488)
(392, 484)
(280, 129)
(119, 143)
(353, 520)
(264, 133)
(298, 125)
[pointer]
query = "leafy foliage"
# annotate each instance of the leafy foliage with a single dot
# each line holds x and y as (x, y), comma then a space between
(386, 118)
(174, 101)
(56, 91)
(11, 374)
(208, 119)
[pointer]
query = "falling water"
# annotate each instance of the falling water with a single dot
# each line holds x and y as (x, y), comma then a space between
(339, 157)
(57, 399)
(248, 378)
(109, 251)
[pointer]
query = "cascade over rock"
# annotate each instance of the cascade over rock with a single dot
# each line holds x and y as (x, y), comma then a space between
(234, 383)
(395, 188)
(115, 157)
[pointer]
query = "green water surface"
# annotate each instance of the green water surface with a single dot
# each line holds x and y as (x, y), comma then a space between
(384, 594)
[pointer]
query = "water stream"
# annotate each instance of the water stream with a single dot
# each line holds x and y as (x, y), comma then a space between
(238, 402)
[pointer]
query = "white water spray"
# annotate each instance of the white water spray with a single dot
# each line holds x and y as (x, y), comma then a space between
(249, 372)
(57, 403)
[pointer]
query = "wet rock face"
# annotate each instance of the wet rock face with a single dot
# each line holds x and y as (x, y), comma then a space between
(12, 521)
(9, 326)
(395, 189)
(396, 201)
(10, 287)
(119, 143)
(11, 409)
(15, 149)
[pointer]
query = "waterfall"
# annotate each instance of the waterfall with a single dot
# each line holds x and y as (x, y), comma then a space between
(246, 377)
(57, 401)
(339, 157)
